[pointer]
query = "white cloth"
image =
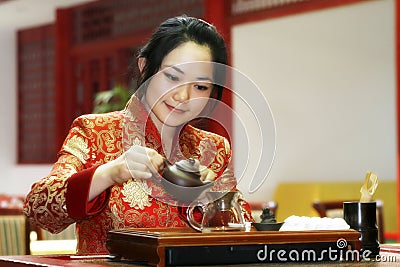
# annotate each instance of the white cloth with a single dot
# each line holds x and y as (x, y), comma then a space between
(299, 223)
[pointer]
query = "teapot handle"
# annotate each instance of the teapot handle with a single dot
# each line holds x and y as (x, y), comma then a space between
(189, 215)
(157, 179)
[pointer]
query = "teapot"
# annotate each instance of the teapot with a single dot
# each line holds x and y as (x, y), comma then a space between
(183, 173)
(182, 180)
(222, 212)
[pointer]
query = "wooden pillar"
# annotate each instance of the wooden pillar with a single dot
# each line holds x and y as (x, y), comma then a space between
(63, 89)
(397, 45)
(217, 13)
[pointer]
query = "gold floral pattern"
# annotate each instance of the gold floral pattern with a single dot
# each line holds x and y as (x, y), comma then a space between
(78, 147)
(136, 193)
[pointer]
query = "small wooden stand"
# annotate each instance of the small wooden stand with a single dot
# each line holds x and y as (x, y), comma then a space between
(183, 246)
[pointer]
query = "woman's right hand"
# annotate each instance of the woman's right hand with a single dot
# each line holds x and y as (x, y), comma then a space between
(143, 162)
(138, 162)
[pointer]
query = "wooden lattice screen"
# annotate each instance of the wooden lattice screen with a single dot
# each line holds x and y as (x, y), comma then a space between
(107, 19)
(89, 48)
(36, 120)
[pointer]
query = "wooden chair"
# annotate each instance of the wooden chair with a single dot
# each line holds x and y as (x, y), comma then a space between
(19, 236)
(67, 234)
(44, 242)
(324, 207)
(14, 226)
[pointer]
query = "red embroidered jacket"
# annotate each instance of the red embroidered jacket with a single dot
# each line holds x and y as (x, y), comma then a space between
(61, 198)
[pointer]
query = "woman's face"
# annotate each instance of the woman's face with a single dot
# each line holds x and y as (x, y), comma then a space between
(182, 87)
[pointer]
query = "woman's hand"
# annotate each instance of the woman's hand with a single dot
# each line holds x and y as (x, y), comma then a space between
(138, 162)
(143, 162)
(207, 175)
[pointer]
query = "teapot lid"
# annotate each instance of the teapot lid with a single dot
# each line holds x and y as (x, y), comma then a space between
(188, 165)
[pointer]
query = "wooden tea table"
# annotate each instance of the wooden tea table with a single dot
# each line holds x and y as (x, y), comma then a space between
(183, 247)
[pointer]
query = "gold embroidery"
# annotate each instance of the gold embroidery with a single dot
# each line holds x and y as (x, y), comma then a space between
(107, 140)
(48, 200)
(136, 193)
(137, 141)
(208, 151)
(78, 147)
(227, 147)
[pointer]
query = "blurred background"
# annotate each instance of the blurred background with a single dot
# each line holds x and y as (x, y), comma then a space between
(326, 68)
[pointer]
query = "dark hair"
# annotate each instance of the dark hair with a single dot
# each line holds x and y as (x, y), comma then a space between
(176, 31)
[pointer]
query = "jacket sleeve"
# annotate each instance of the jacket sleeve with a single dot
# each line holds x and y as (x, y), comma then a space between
(61, 198)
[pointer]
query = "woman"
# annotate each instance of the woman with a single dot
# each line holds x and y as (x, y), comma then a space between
(104, 176)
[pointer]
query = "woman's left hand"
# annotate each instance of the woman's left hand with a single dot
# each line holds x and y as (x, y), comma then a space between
(207, 175)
